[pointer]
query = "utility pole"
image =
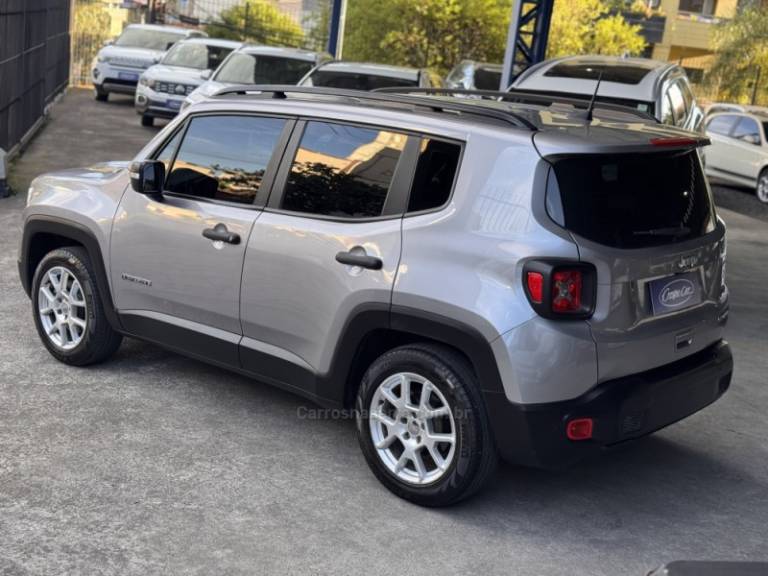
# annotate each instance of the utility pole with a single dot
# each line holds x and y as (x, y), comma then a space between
(336, 32)
(755, 85)
(245, 21)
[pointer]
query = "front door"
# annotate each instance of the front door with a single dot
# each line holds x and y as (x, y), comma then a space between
(177, 260)
(327, 244)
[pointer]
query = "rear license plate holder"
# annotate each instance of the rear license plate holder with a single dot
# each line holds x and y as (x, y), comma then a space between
(673, 293)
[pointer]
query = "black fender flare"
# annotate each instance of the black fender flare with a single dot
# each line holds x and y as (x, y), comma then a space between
(415, 323)
(35, 225)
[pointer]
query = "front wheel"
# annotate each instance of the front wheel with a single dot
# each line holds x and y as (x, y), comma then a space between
(422, 425)
(100, 94)
(68, 310)
(762, 187)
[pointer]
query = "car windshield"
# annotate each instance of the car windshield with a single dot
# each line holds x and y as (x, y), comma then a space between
(198, 56)
(357, 81)
(620, 73)
(242, 68)
(146, 38)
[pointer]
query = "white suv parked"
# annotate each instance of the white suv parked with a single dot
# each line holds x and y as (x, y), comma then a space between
(118, 66)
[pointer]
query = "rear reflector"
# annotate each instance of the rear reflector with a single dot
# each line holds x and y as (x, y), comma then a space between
(535, 286)
(566, 292)
(579, 429)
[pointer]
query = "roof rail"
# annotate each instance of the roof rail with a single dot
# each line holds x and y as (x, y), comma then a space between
(360, 96)
(522, 96)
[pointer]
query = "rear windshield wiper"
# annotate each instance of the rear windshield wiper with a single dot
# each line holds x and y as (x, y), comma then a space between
(671, 231)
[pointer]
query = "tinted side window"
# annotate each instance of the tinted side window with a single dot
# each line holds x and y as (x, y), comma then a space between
(722, 124)
(165, 155)
(224, 157)
(435, 173)
(342, 171)
(678, 104)
(747, 130)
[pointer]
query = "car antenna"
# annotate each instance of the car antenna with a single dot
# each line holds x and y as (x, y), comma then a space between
(591, 108)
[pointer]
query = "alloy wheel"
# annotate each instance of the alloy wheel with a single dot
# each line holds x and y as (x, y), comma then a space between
(62, 308)
(762, 188)
(412, 428)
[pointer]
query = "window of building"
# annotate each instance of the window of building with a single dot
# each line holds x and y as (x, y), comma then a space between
(343, 171)
(705, 7)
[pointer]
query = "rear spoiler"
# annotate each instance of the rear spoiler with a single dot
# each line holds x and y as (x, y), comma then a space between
(552, 145)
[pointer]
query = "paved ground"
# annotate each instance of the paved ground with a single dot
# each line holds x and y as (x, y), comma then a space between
(157, 464)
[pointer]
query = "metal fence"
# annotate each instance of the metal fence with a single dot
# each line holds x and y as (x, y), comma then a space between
(34, 63)
(296, 23)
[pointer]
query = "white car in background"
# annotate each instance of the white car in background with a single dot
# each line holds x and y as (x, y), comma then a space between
(258, 65)
(118, 66)
(739, 150)
(660, 89)
(164, 86)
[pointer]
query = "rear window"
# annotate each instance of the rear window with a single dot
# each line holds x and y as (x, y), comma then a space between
(487, 79)
(621, 73)
(243, 68)
(332, 79)
(632, 201)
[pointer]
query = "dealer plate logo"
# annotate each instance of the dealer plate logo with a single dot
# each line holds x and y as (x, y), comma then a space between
(675, 293)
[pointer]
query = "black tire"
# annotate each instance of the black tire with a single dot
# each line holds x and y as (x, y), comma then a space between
(475, 456)
(147, 120)
(100, 94)
(761, 191)
(100, 341)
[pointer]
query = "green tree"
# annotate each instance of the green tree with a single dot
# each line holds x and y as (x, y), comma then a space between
(91, 30)
(741, 47)
(257, 21)
(434, 34)
(588, 27)
(318, 26)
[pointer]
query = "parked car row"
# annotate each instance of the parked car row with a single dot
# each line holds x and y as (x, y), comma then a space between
(171, 68)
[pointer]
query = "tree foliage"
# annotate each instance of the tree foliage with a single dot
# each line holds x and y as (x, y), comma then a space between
(741, 46)
(434, 34)
(588, 27)
(439, 33)
(257, 21)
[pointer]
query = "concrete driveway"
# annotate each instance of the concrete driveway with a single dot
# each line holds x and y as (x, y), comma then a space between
(156, 464)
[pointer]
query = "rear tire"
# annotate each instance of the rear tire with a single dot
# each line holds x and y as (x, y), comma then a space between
(432, 453)
(100, 94)
(147, 120)
(762, 186)
(68, 310)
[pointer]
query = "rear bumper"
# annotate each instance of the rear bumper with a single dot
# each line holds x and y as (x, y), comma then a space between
(622, 409)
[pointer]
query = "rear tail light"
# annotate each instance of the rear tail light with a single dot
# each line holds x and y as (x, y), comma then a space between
(560, 288)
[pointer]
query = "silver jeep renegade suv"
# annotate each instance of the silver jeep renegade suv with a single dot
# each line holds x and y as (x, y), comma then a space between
(472, 278)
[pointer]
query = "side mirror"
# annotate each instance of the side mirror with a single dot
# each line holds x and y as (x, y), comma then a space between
(147, 177)
(109, 42)
(205, 74)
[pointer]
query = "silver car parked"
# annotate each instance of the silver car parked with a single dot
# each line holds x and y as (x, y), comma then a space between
(660, 89)
(474, 278)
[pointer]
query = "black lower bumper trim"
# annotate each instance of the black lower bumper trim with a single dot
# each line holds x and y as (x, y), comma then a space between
(621, 409)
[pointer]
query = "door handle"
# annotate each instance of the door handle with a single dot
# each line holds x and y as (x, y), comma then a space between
(219, 233)
(359, 259)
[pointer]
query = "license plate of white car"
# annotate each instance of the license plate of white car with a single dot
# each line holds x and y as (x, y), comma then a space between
(132, 76)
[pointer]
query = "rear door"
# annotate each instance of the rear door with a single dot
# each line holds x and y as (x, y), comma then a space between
(646, 221)
(718, 153)
(747, 146)
(327, 243)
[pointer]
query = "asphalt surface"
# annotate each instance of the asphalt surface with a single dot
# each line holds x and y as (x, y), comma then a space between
(156, 464)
